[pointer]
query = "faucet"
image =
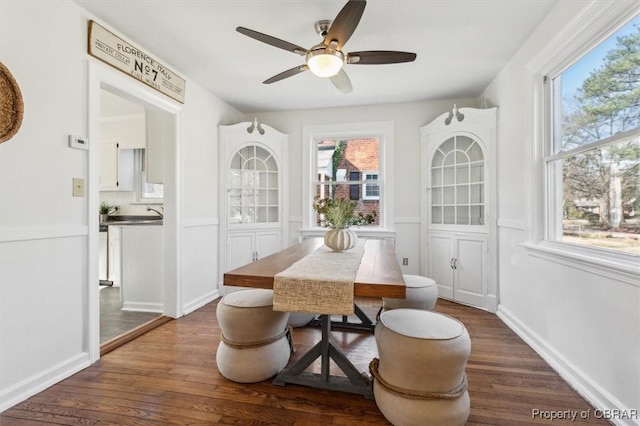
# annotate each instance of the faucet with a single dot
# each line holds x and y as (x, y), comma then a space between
(149, 209)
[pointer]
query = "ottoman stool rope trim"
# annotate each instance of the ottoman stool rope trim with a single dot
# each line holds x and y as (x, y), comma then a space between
(414, 394)
(245, 345)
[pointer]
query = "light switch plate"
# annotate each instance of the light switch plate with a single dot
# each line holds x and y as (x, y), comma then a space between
(78, 187)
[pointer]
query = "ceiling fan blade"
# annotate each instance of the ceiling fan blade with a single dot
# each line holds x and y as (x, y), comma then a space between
(371, 57)
(342, 82)
(276, 42)
(345, 23)
(286, 74)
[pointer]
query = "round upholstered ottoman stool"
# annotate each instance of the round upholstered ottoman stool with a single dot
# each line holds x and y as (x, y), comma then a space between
(422, 293)
(419, 378)
(255, 339)
(300, 319)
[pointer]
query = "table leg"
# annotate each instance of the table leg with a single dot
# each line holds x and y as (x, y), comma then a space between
(354, 382)
(364, 324)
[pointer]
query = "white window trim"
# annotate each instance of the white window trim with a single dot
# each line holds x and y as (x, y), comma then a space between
(598, 21)
(364, 185)
(381, 130)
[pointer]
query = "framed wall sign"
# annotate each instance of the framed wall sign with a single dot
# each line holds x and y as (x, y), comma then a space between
(118, 53)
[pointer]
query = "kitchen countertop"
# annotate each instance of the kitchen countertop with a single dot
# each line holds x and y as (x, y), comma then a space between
(124, 220)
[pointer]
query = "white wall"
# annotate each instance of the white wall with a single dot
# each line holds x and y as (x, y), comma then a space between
(44, 231)
(586, 326)
(407, 119)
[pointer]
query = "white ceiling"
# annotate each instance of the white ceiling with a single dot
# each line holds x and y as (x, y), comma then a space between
(461, 45)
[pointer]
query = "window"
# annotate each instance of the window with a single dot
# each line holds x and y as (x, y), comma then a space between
(370, 188)
(592, 155)
(352, 161)
(147, 192)
(353, 157)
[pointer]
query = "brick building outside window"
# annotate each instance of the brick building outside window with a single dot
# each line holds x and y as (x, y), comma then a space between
(349, 169)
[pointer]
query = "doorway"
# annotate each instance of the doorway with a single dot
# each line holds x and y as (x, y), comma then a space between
(127, 200)
(103, 79)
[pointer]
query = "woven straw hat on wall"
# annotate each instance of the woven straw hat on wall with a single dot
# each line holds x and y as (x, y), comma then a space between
(11, 105)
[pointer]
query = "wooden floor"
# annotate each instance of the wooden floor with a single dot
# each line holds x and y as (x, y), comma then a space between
(169, 376)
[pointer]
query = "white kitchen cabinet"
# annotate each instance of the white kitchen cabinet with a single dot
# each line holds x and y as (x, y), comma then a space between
(458, 208)
(116, 168)
(247, 247)
(142, 268)
(458, 264)
(127, 131)
(119, 136)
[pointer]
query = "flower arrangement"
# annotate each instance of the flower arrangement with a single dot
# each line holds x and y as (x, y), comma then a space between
(338, 213)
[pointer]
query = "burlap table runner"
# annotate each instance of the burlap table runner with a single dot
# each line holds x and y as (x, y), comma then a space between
(320, 283)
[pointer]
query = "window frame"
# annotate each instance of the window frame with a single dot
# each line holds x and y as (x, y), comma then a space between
(597, 22)
(383, 131)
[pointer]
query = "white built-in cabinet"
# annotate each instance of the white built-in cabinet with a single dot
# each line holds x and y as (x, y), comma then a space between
(253, 193)
(247, 247)
(458, 263)
(458, 205)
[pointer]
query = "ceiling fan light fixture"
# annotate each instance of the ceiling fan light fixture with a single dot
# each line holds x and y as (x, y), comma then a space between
(325, 62)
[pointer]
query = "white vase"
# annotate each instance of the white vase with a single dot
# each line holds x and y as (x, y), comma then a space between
(340, 239)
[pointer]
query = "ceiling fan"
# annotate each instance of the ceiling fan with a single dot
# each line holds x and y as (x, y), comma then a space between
(327, 58)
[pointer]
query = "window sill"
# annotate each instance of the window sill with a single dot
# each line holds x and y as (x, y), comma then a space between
(364, 232)
(621, 267)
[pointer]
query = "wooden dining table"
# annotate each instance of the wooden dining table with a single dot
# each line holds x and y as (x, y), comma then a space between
(379, 275)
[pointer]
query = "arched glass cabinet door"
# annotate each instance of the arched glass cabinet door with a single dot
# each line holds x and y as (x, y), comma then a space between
(253, 187)
(458, 182)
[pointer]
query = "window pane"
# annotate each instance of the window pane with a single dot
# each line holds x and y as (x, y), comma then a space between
(342, 190)
(436, 177)
(463, 215)
(449, 215)
(436, 196)
(475, 153)
(436, 215)
(462, 196)
(438, 158)
(477, 215)
(463, 142)
(601, 197)
(449, 175)
(597, 96)
(449, 195)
